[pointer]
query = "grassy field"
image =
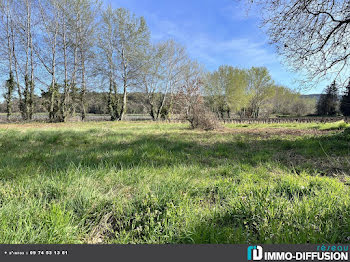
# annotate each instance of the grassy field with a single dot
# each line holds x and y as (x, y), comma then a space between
(164, 183)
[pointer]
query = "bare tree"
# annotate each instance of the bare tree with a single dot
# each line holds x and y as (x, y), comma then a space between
(71, 42)
(15, 40)
(6, 23)
(84, 23)
(189, 101)
(162, 72)
(123, 41)
(25, 12)
(63, 33)
(108, 60)
(30, 85)
(47, 52)
(313, 35)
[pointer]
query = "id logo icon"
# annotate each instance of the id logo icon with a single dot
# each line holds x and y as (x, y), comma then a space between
(254, 253)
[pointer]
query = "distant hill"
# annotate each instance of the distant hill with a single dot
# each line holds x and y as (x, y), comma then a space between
(317, 96)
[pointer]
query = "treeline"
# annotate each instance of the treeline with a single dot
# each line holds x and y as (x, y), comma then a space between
(59, 50)
(96, 103)
(251, 93)
(68, 57)
(332, 104)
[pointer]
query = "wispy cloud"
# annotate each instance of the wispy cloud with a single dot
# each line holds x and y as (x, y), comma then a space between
(242, 52)
(213, 51)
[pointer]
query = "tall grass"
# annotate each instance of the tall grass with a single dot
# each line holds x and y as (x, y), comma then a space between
(163, 183)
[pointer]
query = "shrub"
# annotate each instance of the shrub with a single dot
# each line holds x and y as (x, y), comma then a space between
(191, 107)
(201, 117)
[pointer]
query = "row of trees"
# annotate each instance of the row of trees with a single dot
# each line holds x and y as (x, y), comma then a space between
(60, 51)
(252, 93)
(46, 45)
(96, 103)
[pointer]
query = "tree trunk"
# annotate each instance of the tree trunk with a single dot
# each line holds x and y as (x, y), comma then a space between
(152, 112)
(83, 88)
(64, 105)
(111, 103)
(19, 90)
(10, 86)
(123, 110)
(53, 93)
(10, 81)
(26, 74)
(73, 80)
(159, 111)
(31, 95)
(125, 78)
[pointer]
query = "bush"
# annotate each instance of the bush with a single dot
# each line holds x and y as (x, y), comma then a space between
(201, 117)
(190, 105)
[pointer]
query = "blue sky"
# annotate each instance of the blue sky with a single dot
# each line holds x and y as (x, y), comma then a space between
(215, 32)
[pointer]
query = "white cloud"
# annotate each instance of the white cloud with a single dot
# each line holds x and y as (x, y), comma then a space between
(237, 51)
(244, 51)
(210, 50)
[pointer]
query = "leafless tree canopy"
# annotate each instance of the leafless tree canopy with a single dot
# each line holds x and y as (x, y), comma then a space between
(313, 35)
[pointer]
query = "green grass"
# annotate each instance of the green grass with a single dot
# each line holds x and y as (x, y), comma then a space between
(163, 183)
